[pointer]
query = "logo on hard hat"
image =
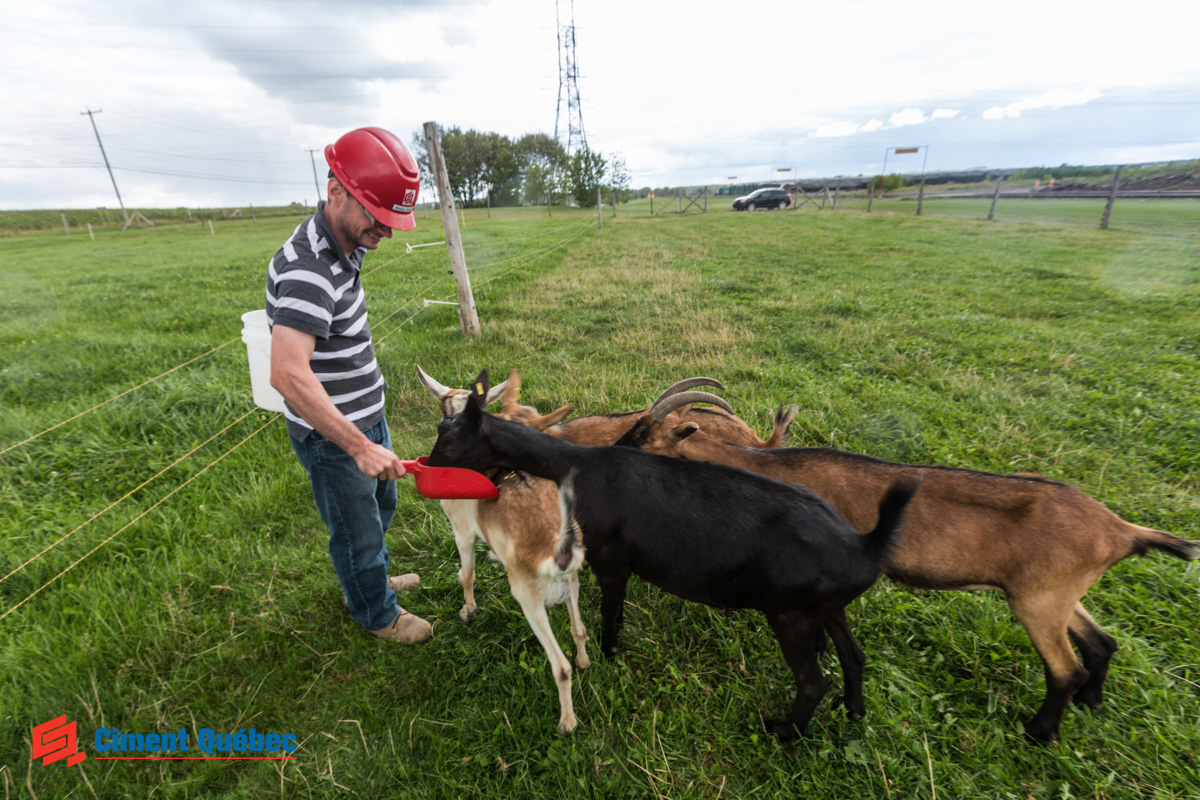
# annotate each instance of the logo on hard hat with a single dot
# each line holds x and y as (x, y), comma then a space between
(406, 207)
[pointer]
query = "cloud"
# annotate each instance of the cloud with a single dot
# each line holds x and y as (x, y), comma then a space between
(908, 116)
(898, 119)
(1055, 98)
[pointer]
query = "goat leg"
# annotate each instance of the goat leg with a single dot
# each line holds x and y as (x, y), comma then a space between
(1045, 618)
(1097, 648)
(612, 608)
(796, 633)
(853, 662)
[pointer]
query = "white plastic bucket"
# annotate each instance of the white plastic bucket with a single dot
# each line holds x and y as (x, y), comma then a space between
(257, 336)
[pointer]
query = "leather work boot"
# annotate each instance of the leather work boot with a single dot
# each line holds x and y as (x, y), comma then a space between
(407, 629)
(399, 583)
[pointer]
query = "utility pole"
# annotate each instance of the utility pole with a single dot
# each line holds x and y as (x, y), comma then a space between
(468, 317)
(316, 181)
(121, 202)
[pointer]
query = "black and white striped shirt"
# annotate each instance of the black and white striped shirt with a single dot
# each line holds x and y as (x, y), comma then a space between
(313, 287)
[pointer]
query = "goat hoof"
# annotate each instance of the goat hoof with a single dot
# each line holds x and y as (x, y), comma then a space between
(468, 613)
(567, 727)
(1089, 700)
(782, 729)
(1041, 734)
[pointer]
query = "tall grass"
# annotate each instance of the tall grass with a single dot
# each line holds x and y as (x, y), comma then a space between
(1012, 346)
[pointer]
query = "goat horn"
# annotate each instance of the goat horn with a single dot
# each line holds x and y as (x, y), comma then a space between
(663, 407)
(688, 384)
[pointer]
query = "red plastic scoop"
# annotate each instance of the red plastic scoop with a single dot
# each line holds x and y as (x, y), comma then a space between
(450, 483)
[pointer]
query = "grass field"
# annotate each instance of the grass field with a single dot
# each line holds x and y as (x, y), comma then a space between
(205, 597)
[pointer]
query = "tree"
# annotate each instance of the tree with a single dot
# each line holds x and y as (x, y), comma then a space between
(889, 183)
(541, 159)
(619, 177)
(585, 173)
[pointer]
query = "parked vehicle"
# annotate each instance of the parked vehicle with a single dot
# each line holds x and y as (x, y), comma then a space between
(770, 197)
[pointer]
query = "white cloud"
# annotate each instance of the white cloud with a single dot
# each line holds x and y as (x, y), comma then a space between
(908, 116)
(1055, 98)
(944, 113)
(873, 125)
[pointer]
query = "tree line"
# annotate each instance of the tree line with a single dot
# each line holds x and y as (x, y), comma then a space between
(490, 168)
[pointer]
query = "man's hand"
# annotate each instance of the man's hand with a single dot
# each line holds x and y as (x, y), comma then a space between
(378, 462)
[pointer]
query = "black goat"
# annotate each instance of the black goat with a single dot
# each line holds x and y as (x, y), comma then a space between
(704, 532)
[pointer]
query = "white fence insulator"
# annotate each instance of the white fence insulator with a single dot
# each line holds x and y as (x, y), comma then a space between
(408, 248)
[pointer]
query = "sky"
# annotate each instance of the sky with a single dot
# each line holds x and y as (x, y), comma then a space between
(217, 104)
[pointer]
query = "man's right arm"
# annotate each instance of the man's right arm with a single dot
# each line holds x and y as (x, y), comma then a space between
(292, 377)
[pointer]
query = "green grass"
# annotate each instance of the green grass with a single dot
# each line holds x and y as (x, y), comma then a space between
(1022, 344)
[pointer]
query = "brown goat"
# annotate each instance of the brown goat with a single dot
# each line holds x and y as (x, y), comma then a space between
(1041, 542)
(523, 531)
(601, 430)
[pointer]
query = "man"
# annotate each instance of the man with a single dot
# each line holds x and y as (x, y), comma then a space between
(323, 363)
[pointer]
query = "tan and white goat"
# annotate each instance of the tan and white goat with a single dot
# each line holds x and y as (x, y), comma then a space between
(524, 530)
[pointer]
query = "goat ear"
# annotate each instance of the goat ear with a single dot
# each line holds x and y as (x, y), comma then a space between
(511, 391)
(479, 389)
(681, 432)
(433, 387)
(553, 418)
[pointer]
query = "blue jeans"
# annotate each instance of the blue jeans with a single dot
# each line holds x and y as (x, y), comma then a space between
(357, 509)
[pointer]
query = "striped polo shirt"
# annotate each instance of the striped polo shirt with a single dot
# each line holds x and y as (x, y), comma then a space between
(313, 287)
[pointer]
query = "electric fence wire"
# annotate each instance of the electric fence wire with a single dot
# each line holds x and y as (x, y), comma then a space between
(537, 256)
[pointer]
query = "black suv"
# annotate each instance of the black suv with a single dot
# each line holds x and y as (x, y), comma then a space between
(772, 197)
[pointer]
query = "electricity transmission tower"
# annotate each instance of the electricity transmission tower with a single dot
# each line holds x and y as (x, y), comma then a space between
(568, 86)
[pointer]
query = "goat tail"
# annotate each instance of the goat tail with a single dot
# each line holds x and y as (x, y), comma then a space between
(1150, 539)
(881, 541)
(783, 420)
(570, 538)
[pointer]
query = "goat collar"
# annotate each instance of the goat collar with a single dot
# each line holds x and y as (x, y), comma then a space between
(499, 475)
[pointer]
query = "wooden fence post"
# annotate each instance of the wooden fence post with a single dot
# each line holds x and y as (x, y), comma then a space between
(824, 196)
(467, 317)
(66, 229)
(599, 207)
(921, 195)
(870, 194)
(1112, 196)
(996, 196)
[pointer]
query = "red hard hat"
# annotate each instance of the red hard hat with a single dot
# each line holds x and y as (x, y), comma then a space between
(377, 169)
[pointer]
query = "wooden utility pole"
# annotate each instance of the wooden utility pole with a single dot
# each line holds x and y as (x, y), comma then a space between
(996, 196)
(467, 317)
(316, 182)
(1112, 196)
(90, 115)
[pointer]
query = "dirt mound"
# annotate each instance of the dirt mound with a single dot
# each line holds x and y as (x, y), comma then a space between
(1176, 181)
